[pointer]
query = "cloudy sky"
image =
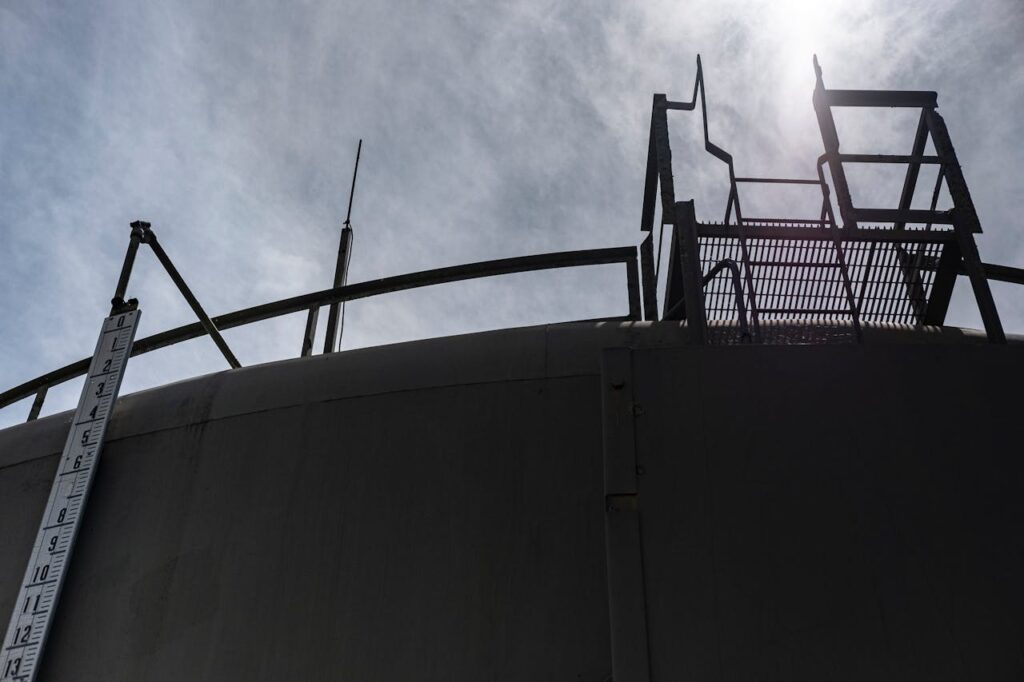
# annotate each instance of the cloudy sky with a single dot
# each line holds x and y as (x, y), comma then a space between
(491, 130)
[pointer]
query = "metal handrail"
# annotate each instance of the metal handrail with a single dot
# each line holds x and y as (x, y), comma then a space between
(737, 285)
(741, 309)
(350, 292)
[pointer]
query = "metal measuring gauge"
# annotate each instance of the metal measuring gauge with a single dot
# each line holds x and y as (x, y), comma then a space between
(37, 599)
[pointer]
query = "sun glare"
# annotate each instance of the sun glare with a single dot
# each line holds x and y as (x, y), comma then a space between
(800, 29)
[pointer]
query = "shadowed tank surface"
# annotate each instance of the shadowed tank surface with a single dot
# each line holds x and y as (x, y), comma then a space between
(449, 509)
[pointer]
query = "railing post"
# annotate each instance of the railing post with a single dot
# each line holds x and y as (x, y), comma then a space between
(309, 335)
(909, 267)
(633, 289)
(830, 139)
(689, 263)
(648, 278)
(37, 404)
(965, 224)
(662, 157)
(942, 286)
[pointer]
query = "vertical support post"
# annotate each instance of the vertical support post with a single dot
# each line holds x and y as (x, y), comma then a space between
(334, 316)
(627, 600)
(689, 262)
(651, 174)
(633, 289)
(913, 169)
(942, 287)
(659, 175)
(310, 334)
(674, 289)
(37, 404)
(830, 138)
(663, 157)
(138, 235)
(965, 224)
(829, 219)
(910, 268)
(748, 268)
(648, 278)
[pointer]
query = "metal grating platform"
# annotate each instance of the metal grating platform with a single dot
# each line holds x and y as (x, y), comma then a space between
(801, 279)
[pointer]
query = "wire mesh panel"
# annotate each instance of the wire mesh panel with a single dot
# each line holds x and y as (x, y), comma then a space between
(797, 276)
(892, 280)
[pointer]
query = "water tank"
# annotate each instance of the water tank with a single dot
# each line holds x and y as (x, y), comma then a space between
(529, 503)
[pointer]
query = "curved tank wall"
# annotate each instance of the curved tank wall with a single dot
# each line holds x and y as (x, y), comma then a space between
(430, 510)
(438, 510)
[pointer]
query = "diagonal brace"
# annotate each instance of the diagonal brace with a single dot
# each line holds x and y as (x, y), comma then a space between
(149, 237)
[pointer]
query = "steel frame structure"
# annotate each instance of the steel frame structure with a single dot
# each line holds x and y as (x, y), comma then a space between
(820, 271)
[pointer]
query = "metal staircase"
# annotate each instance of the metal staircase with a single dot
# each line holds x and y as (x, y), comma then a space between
(813, 281)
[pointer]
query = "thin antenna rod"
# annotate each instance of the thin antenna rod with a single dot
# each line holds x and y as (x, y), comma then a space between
(352, 190)
(336, 312)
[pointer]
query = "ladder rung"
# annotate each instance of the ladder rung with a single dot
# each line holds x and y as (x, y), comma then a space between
(888, 158)
(881, 98)
(894, 215)
(804, 311)
(792, 264)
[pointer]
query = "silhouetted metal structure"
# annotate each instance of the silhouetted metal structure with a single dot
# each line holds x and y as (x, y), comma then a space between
(823, 272)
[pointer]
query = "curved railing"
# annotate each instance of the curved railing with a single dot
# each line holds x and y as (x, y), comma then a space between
(351, 292)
